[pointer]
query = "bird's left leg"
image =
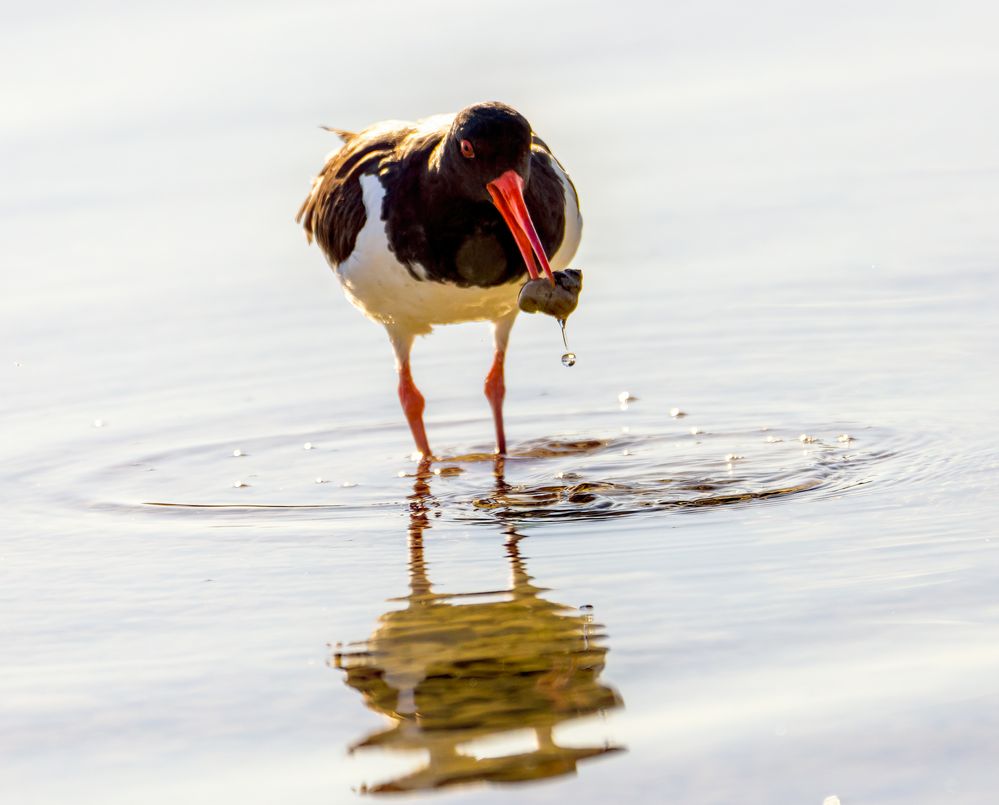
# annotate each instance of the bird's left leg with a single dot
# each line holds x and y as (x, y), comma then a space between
(409, 395)
(495, 387)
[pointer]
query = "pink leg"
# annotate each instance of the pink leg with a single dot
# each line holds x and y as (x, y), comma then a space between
(412, 404)
(495, 391)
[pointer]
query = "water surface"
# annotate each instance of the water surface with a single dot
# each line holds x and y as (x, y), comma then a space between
(784, 594)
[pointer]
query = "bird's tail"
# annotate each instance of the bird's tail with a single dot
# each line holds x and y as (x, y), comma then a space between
(344, 135)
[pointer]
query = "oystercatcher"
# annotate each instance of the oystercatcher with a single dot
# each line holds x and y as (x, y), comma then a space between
(435, 222)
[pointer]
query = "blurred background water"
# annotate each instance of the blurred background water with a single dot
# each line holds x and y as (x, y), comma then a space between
(790, 231)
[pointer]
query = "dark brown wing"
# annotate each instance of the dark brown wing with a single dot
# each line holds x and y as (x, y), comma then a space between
(333, 213)
(545, 196)
(538, 143)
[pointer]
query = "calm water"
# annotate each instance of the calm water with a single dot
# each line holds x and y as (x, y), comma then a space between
(783, 592)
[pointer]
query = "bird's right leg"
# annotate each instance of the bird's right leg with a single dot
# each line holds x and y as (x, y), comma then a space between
(409, 395)
(495, 387)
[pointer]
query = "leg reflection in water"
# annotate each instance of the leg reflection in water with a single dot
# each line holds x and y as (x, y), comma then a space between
(450, 671)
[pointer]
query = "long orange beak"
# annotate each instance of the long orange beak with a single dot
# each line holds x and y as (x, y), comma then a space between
(508, 195)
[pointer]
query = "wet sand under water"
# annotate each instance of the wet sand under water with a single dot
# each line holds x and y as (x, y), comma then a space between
(226, 579)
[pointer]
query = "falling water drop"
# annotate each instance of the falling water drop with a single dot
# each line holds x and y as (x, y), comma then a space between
(568, 358)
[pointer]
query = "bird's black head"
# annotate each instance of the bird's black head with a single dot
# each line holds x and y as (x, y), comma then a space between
(485, 141)
(486, 156)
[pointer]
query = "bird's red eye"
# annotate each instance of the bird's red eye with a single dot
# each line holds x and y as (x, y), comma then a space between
(466, 150)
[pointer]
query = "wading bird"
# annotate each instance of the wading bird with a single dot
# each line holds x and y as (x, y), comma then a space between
(435, 222)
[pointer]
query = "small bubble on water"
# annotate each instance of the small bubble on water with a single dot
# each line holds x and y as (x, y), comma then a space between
(99, 423)
(237, 453)
(401, 474)
(733, 457)
(321, 480)
(626, 452)
(773, 439)
(239, 484)
(676, 413)
(845, 438)
(626, 397)
(308, 446)
(694, 431)
(348, 484)
(806, 439)
(448, 472)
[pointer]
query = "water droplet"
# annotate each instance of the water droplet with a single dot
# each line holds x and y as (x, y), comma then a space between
(846, 438)
(308, 446)
(676, 413)
(237, 452)
(348, 484)
(695, 430)
(626, 397)
(321, 480)
(806, 439)
(568, 358)
(98, 423)
(773, 439)
(239, 484)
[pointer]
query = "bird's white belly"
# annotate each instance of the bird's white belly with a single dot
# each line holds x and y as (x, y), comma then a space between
(385, 291)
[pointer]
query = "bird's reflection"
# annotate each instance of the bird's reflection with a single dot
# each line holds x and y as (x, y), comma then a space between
(451, 670)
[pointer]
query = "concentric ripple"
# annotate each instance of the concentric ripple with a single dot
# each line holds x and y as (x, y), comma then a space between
(316, 476)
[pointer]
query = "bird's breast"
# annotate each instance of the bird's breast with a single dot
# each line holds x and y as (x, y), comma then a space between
(389, 291)
(481, 260)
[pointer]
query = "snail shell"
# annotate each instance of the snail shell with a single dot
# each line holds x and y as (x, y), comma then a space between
(558, 300)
